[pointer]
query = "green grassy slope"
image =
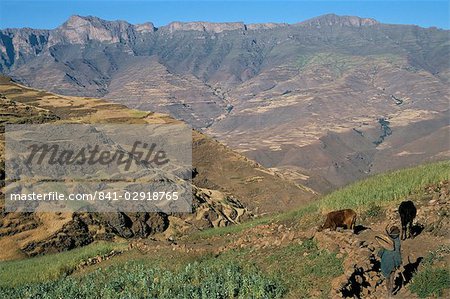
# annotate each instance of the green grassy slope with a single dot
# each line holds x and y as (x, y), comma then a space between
(52, 266)
(378, 190)
(298, 270)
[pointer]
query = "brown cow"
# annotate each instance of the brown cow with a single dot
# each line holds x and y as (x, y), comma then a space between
(342, 218)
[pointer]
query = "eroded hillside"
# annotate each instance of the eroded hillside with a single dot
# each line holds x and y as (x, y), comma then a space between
(228, 188)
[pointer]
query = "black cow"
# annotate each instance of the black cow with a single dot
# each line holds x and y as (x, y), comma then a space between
(407, 212)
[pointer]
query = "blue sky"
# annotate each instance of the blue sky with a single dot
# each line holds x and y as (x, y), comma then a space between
(50, 14)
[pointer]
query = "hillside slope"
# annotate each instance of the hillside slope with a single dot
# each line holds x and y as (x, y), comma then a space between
(228, 188)
(280, 256)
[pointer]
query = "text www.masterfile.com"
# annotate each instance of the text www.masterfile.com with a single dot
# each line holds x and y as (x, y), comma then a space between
(96, 195)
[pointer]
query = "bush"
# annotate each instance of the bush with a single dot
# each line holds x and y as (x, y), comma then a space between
(374, 211)
(430, 281)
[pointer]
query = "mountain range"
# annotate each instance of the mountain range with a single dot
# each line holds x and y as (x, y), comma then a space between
(324, 102)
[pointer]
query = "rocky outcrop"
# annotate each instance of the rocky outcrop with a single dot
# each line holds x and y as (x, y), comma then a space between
(147, 27)
(135, 225)
(20, 45)
(203, 26)
(335, 20)
(80, 30)
(211, 209)
(263, 26)
(74, 234)
(361, 276)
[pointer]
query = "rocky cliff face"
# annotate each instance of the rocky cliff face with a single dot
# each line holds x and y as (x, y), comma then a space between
(26, 43)
(203, 26)
(20, 45)
(80, 30)
(335, 20)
